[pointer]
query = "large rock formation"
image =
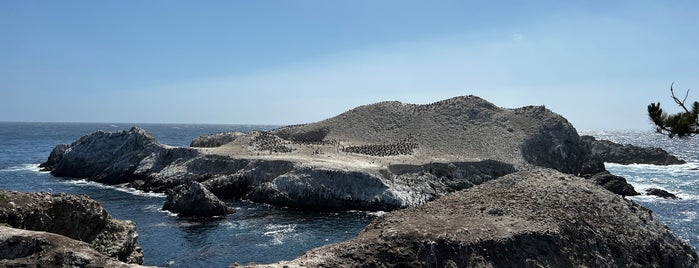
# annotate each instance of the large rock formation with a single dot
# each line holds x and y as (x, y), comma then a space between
(75, 217)
(106, 157)
(24, 248)
(382, 156)
(607, 151)
(539, 218)
(195, 200)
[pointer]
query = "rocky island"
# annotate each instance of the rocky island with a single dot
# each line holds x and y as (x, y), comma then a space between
(423, 161)
(383, 156)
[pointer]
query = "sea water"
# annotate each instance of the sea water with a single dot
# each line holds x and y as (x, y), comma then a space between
(683, 180)
(264, 234)
(256, 233)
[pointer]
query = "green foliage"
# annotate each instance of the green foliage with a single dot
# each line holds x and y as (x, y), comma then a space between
(683, 124)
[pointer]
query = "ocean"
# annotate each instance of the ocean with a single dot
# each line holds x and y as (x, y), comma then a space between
(256, 233)
(264, 234)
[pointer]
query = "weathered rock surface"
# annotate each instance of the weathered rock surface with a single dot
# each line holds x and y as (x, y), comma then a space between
(195, 200)
(661, 193)
(106, 157)
(539, 218)
(607, 151)
(24, 248)
(74, 216)
(458, 129)
(615, 184)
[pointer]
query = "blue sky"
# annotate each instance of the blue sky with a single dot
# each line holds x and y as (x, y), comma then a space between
(598, 63)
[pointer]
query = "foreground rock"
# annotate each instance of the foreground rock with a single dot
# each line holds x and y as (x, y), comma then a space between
(539, 218)
(194, 200)
(382, 156)
(607, 151)
(24, 248)
(75, 217)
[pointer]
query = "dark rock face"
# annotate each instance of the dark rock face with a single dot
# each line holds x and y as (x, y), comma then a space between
(556, 144)
(615, 184)
(76, 217)
(539, 218)
(611, 152)
(24, 248)
(661, 193)
(195, 200)
(104, 157)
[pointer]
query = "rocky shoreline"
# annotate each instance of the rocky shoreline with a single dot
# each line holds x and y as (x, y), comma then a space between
(315, 166)
(538, 218)
(60, 229)
(400, 157)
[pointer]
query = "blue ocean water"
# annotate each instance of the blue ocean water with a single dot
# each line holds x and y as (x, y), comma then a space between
(256, 233)
(264, 234)
(682, 216)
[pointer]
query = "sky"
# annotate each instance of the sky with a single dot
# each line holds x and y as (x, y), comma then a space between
(597, 63)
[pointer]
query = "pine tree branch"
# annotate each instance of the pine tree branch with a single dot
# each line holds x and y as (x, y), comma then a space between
(680, 103)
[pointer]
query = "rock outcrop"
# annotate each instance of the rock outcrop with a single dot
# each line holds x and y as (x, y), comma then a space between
(382, 156)
(661, 193)
(613, 183)
(607, 151)
(24, 248)
(75, 217)
(538, 218)
(106, 157)
(196, 201)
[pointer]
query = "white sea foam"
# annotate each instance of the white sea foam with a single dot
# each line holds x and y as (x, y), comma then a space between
(372, 213)
(83, 182)
(279, 232)
(23, 167)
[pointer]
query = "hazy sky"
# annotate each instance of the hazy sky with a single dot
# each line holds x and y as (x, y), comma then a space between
(598, 63)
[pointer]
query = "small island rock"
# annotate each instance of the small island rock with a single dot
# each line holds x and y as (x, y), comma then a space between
(195, 200)
(612, 152)
(661, 193)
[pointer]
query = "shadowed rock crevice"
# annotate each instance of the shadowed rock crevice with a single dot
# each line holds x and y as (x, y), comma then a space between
(75, 217)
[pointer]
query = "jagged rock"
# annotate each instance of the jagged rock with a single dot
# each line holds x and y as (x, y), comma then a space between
(540, 218)
(215, 140)
(195, 200)
(661, 193)
(611, 152)
(613, 183)
(24, 248)
(107, 157)
(74, 216)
